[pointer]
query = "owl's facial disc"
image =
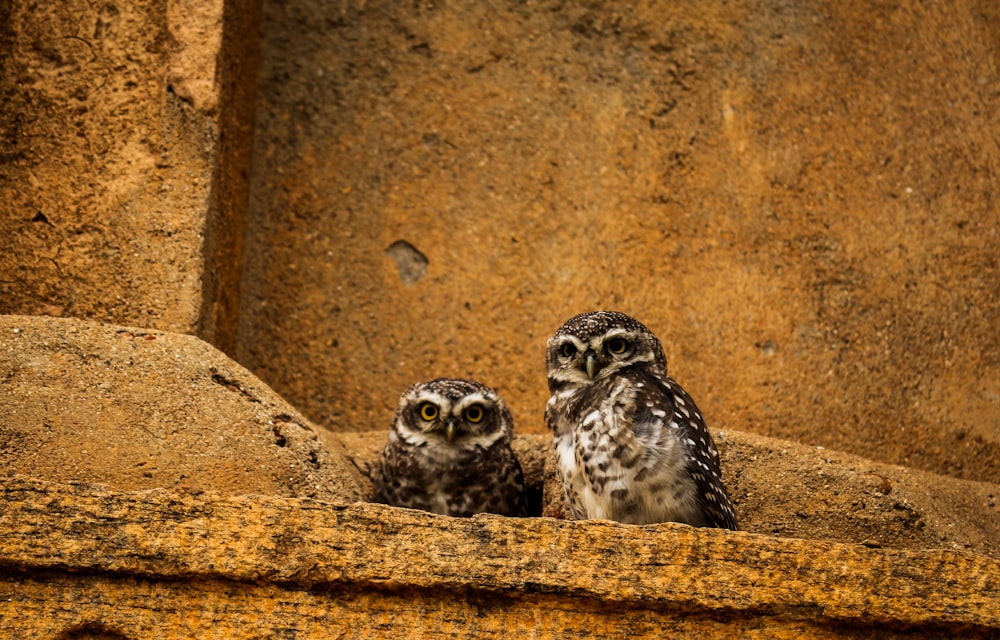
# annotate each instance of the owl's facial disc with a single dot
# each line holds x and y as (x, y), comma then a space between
(457, 421)
(596, 358)
(449, 414)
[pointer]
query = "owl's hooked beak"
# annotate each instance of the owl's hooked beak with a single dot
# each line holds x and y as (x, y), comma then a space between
(450, 428)
(591, 364)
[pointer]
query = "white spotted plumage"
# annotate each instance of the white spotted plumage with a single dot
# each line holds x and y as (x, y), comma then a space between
(630, 443)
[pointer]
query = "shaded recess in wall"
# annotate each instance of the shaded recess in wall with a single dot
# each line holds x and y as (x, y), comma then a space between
(411, 262)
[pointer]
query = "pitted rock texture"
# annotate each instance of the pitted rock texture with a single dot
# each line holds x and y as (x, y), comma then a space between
(142, 409)
(166, 564)
(124, 155)
(797, 198)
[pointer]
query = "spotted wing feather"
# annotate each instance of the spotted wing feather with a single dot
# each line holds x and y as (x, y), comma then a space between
(703, 458)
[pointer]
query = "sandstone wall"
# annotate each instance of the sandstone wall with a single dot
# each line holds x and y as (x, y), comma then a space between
(799, 199)
(124, 140)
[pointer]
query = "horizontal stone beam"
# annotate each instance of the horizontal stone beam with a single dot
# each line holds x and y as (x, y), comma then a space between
(54, 536)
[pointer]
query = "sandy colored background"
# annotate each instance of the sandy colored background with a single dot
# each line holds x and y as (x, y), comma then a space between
(798, 199)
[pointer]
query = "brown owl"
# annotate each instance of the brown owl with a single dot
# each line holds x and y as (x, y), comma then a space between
(630, 443)
(449, 452)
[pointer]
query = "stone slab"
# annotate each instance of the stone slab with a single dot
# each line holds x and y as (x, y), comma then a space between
(141, 409)
(176, 565)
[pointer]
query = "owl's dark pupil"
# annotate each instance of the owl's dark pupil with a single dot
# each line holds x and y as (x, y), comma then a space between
(617, 345)
(428, 411)
(567, 350)
(474, 413)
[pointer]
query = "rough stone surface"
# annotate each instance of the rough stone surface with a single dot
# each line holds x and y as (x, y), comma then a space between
(142, 409)
(787, 489)
(164, 564)
(798, 198)
(118, 119)
(235, 81)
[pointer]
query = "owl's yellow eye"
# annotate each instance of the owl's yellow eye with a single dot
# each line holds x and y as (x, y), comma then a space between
(428, 411)
(474, 413)
(617, 345)
(567, 350)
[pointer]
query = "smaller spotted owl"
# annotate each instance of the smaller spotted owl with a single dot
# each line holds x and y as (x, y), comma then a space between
(630, 443)
(449, 452)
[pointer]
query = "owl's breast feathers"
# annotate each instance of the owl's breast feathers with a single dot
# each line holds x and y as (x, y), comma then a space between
(635, 399)
(458, 482)
(623, 454)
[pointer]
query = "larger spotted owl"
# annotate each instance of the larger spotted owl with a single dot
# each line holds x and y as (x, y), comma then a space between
(449, 452)
(630, 443)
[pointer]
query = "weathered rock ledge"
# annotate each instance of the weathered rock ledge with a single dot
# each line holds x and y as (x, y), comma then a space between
(144, 409)
(170, 565)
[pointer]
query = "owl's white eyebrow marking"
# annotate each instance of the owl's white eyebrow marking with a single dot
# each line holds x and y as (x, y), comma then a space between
(618, 333)
(573, 340)
(476, 398)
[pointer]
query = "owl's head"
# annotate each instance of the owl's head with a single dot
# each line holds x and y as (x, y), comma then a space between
(593, 346)
(456, 413)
